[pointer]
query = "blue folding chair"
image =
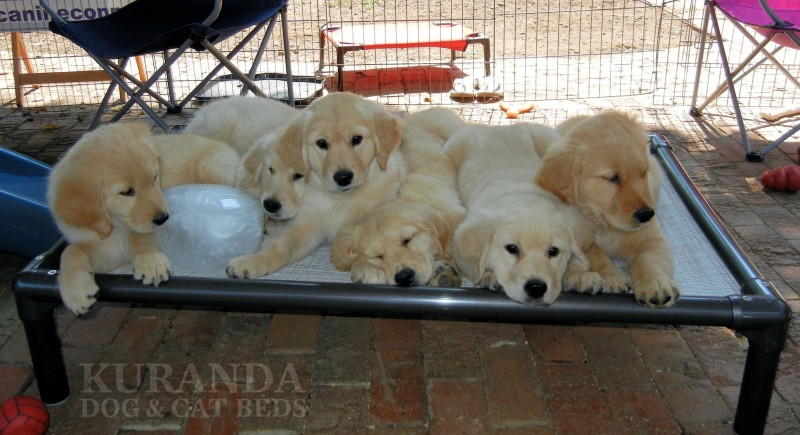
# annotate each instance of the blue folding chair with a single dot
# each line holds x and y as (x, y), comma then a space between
(172, 27)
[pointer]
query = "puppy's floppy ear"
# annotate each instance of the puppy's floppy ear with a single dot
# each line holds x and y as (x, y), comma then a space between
(436, 225)
(389, 130)
(290, 145)
(562, 166)
(77, 199)
(248, 171)
(471, 247)
(343, 249)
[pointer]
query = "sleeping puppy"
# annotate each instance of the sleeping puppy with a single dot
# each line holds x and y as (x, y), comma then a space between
(516, 237)
(240, 121)
(252, 126)
(105, 196)
(406, 242)
(343, 146)
(602, 164)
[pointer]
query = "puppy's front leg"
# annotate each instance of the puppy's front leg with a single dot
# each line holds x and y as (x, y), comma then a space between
(580, 276)
(76, 279)
(149, 264)
(651, 273)
(288, 245)
(614, 280)
(363, 272)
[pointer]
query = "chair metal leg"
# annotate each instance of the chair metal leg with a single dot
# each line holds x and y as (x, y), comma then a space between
(219, 67)
(700, 55)
(731, 90)
(287, 55)
(112, 87)
(135, 95)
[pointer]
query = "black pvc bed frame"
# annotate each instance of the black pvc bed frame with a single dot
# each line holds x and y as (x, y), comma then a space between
(759, 313)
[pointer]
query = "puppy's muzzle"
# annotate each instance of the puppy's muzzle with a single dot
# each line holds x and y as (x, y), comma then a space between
(343, 177)
(644, 214)
(272, 205)
(161, 218)
(535, 288)
(405, 277)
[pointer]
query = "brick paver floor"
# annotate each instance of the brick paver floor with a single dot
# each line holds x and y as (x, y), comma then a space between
(139, 369)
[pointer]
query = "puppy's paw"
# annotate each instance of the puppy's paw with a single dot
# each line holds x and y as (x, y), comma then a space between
(616, 281)
(78, 291)
(152, 268)
(584, 282)
(658, 292)
(368, 274)
(489, 281)
(246, 266)
(445, 274)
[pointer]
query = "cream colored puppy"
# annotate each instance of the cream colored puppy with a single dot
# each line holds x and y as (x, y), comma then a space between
(332, 123)
(340, 137)
(602, 165)
(516, 236)
(240, 121)
(407, 241)
(253, 126)
(105, 195)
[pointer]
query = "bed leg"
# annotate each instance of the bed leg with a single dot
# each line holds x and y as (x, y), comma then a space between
(758, 380)
(45, 349)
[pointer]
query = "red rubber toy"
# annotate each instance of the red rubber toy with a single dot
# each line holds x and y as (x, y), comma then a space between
(786, 178)
(23, 415)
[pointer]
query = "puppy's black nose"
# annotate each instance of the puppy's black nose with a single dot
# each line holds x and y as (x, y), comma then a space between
(404, 278)
(343, 178)
(535, 288)
(644, 214)
(271, 205)
(161, 218)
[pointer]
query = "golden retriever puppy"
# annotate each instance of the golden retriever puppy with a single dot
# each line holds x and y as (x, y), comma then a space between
(406, 242)
(252, 126)
(105, 196)
(343, 145)
(516, 237)
(339, 137)
(240, 121)
(602, 165)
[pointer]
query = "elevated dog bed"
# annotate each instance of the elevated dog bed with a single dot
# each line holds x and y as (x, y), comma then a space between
(347, 37)
(720, 288)
(26, 225)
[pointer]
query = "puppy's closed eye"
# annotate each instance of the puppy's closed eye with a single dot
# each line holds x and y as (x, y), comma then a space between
(128, 192)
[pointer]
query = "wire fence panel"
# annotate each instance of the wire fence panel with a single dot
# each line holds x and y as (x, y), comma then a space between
(540, 51)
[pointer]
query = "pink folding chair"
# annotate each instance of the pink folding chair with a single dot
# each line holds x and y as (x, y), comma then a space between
(777, 22)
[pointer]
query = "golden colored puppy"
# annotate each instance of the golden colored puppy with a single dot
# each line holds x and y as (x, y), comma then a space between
(602, 165)
(407, 241)
(516, 236)
(339, 137)
(240, 121)
(105, 195)
(252, 126)
(330, 123)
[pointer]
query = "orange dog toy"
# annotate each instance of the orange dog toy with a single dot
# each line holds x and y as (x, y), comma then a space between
(514, 111)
